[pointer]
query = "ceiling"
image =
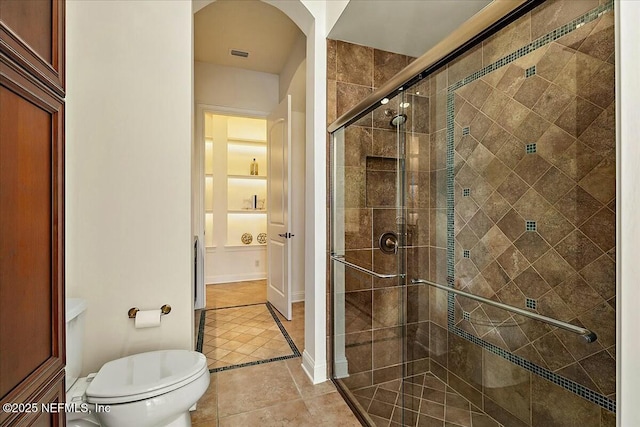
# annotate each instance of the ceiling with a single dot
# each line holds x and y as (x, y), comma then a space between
(409, 27)
(248, 25)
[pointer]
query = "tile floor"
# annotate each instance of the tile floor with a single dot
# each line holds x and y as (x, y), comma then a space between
(271, 394)
(242, 335)
(428, 402)
(237, 293)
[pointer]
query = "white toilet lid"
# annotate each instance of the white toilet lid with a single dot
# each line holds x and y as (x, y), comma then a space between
(145, 375)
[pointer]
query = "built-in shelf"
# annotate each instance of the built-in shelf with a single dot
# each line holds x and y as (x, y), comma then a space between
(232, 144)
(259, 177)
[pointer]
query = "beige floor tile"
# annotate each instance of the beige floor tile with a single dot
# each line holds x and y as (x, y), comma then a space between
(207, 407)
(244, 338)
(332, 410)
(233, 358)
(287, 414)
(275, 344)
(232, 345)
(250, 359)
(258, 341)
(212, 423)
(303, 383)
(218, 353)
(254, 387)
(229, 335)
(254, 331)
(246, 349)
(269, 334)
(241, 343)
(263, 353)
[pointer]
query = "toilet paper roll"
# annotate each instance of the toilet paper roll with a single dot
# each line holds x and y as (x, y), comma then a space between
(148, 318)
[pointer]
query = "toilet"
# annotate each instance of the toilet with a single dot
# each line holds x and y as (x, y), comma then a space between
(152, 389)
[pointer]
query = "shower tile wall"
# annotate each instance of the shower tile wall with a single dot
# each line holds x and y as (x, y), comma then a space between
(534, 221)
(375, 317)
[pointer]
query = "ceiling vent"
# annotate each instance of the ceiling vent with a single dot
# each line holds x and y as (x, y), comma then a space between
(240, 53)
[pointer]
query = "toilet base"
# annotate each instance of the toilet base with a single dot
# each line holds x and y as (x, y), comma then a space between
(184, 420)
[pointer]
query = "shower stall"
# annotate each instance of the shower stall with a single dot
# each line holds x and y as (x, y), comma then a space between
(472, 236)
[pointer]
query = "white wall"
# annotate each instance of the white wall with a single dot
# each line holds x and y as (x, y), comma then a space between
(128, 154)
(293, 77)
(235, 88)
(628, 106)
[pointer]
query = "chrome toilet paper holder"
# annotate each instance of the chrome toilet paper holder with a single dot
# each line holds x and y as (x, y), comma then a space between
(164, 310)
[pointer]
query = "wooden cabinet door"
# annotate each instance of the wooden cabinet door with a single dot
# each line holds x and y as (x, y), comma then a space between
(32, 342)
(32, 35)
(31, 236)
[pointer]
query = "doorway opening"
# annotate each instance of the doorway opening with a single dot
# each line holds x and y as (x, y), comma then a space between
(246, 197)
(233, 89)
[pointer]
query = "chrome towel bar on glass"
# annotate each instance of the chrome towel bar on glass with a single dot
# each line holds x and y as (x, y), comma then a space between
(340, 259)
(588, 335)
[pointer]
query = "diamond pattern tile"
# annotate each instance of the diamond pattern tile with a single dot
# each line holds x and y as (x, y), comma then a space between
(422, 400)
(243, 335)
(564, 186)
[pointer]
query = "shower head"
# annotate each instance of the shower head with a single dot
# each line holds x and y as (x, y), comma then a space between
(396, 119)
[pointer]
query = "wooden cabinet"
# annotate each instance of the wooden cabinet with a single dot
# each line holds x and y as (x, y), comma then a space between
(32, 345)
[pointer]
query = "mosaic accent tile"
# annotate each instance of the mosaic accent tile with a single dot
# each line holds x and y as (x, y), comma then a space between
(530, 71)
(466, 192)
(465, 131)
(466, 253)
(536, 114)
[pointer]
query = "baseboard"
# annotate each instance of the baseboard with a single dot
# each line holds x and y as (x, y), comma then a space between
(341, 367)
(297, 296)
(317, 373)
(226, 278)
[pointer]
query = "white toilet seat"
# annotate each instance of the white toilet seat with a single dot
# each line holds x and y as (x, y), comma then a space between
(144, 376)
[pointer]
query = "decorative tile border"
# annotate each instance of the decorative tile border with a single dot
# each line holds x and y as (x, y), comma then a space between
(294, 350)
(559, 380)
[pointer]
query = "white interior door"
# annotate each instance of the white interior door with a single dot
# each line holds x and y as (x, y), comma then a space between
(279, 208)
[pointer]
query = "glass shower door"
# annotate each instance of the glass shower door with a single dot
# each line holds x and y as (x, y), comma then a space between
(368, 256)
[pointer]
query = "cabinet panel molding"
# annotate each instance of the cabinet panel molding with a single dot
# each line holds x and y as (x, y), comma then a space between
(32, 35)
(32, 215)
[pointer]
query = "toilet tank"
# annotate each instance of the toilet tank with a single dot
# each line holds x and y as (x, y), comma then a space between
(74, 309)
